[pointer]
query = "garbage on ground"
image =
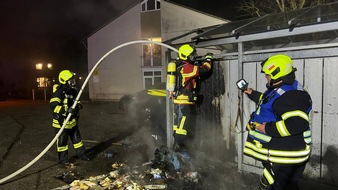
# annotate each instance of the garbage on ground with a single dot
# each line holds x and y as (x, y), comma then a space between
(68, 177)
(155, 186)
(114, 174)
(166, 166)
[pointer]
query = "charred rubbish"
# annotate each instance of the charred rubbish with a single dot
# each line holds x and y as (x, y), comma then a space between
(166, 171)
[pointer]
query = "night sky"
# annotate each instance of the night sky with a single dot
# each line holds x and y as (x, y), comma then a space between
(52, 30)
(55, 30)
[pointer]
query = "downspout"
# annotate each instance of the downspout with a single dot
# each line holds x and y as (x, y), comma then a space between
(169, 110)
(240, 95)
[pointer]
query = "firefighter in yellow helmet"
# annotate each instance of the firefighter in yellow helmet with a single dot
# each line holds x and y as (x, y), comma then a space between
(279, 132)
(63, 97)
(182, 83)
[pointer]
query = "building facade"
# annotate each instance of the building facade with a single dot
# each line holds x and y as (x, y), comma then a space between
(138, 66)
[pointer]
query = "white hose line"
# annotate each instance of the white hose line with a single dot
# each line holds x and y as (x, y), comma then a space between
(76, 101)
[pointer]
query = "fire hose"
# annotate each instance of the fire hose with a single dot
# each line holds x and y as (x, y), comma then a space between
(76, 101)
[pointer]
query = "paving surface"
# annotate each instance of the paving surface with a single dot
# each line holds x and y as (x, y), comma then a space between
(110, 136)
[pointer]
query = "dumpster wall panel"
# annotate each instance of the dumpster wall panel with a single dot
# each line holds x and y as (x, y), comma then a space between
(313, 73)
(330, 120)
(249, 74)
(233, 99)
(225, 111)
(299, 64)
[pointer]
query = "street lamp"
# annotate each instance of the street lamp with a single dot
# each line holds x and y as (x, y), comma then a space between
(49, 66)
(38, 66)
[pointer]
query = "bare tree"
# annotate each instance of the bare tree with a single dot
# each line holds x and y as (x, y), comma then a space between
(258, 8)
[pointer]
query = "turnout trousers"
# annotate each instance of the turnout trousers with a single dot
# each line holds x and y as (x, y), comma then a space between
(281, 176)
(62, 143)
(184, 124)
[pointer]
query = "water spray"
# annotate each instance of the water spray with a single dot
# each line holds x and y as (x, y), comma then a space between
(76, 102)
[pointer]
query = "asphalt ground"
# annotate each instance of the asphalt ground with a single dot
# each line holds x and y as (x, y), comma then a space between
(26, 130)
(110, 136)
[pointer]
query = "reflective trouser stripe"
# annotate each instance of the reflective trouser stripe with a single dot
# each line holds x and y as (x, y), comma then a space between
(268, 176)
(180, 130)
(78, 145)
(62, 148)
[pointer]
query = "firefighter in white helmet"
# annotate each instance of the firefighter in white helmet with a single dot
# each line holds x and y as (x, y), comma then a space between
(279, 130)
(63, 97)
(182, 83)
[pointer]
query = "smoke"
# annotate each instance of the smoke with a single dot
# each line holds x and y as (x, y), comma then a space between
(92, 15)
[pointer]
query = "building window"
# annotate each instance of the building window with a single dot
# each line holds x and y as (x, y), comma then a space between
(43, 74)
(152, 54)
(43, 82)
(152, 63)
(151, 5)
(151, 77)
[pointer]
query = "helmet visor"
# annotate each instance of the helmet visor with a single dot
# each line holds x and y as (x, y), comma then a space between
(72, 82)
(192, 56)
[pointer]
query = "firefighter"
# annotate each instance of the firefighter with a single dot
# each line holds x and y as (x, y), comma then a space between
(182, 83)
(279, 132)
(63, 97)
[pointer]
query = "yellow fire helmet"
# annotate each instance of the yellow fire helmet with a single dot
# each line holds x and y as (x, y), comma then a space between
(65, 76)
(277, 66)
(185, 51)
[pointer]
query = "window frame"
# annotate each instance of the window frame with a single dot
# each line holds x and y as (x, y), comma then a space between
(152, 56)
(152, 77)
(145, 5)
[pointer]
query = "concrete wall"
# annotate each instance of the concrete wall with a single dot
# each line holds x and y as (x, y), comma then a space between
(120, 71)
(177, 20)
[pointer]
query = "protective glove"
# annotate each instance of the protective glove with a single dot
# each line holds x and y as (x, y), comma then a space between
(251, 126)
(74, 111)
(79, 105)
(208, 57)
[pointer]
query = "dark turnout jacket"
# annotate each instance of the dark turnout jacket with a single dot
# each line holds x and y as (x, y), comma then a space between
(285, 112)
